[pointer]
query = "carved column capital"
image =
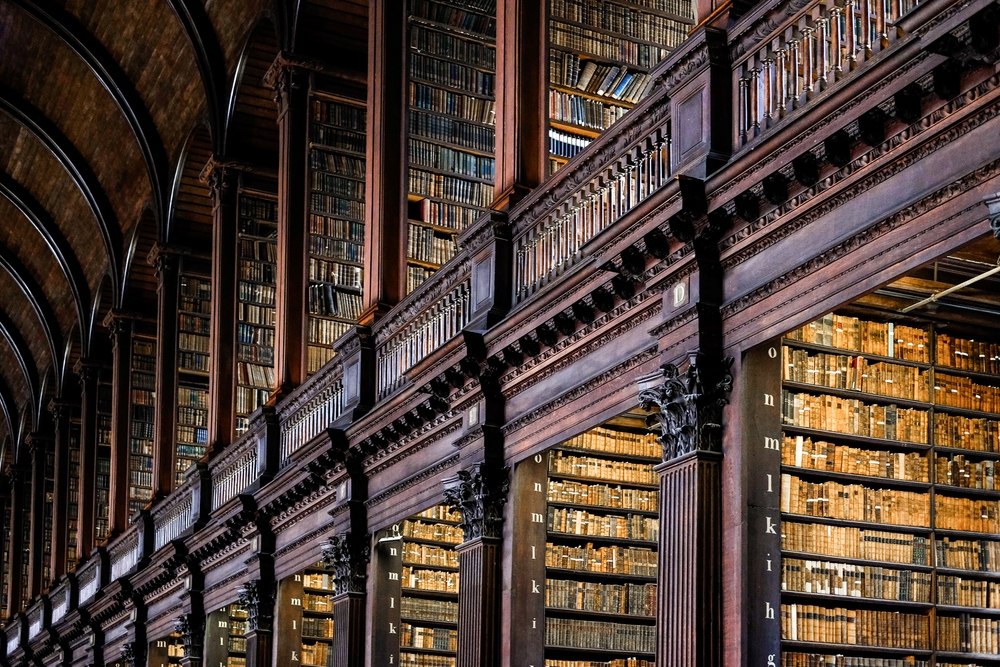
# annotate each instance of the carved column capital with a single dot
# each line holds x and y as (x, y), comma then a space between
(347, 555)
(690, 405)
(288, 71)
(191, 628)
(133, 654)
(257, 597)
(219, 174)
(993, 203)
(164, 259)
(478, 493)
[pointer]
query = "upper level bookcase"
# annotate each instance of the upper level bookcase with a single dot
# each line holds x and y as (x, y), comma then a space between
(194, 325)
(142, 401)
(452, 56)
(600, 58)
(102, 482)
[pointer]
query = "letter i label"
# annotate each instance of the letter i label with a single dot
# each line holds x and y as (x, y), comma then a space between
(770, 485)
(533, 553)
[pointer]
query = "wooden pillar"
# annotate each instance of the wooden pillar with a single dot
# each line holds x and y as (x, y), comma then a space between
(385, 171)
(165, 261)
(191, 628)
(689, 562)
(521, 100)
(18, 480)
(479, 493)
(223, 180)
(38, 446)
(257, 597)
(347, 555)
(122, 329)
(61, 411)
(290, 80)
(87, 372)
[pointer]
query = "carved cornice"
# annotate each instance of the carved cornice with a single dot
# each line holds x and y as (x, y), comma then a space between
(403, 451)
(690, 405)
(257, 597)
(674, 323)
(442, 282)
(993, 204)
(753, 33)
(706, 46)
(861, 239)
(891, 145)
(287, 60)
(411, 481)
(191, 628)
(347, 555)
(479, 493)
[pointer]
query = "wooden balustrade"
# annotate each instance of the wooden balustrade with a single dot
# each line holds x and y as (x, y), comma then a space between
(173, 516)
(125, 553)
(36, 619)
(548, 246)
(234, 471)
(60, 601)
(826, 42)
(89, 580)
(308, 420)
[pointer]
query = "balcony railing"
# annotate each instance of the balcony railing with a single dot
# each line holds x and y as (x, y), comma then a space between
(234, 471)
(173, 516)
(435, 325)
(36, 619)
(125, 553)
(13, 635)
(550, 242)
(826, 42)
(89, 577)
(60, 602)
(308, 420)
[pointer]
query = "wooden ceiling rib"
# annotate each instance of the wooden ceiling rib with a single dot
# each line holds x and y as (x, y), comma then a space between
(49, 343)
(253, 125)
(191, 223)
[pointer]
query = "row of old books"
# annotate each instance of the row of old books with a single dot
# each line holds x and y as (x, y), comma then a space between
(975, 433)
(854, 417)
(317, 654)
(841, 371)
(954, 590)
(347, 116)
(324, 299)
(803, 452)
(440, 43)
(437, 532)
(325, 332)
(435, 156)
(415, 277)
(978, 555)
(793, 659)
(259, 336)
(255, 375)
(425, 660)
(601, 635)
(452, 75)
(338, 185)
(475, 136)
(191, 324)
(460, 190)
(336, 138)
(439, 639)
(856, 502)
(623, 20)
(335, 248)
(451, 216)
(189, 435)
(336, 273)
(631, 599)
(452, 103)
(602, 495)
(321, 580)
(980, 516)
(862, 581)
(258, 209)
(612, 47)
(317, 627)
(885, 339)
(261, 229)
(584, 523)
(424, 245)
(192, 407)
(351, 230)
(192, 342)
(439, 513)
(968, 634)
(956, 470)
(636, 561)
(321, 603)
(562, 144)
(964, 393)
(261, 272)
(429, 610)
(561, 463)
(193, 361)
(478, 21)
(618, 442)
(336, 163)
(427, 554)
(265, 251)
(330, 205)
(255, 293)
(255, 314)
(249, 399)
(581, 111)
(615, 82)
(617, 662)
(970, 355)
(860, 627)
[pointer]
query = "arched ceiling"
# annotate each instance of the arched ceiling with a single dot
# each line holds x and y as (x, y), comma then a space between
(109, 109)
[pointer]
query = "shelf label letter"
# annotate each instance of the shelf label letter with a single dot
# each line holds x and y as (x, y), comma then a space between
(768, 611)
(771, 443)
(394, 576)
(770, 527)
(538, 487)
(769, 399)
(537, 518)
(534, 587)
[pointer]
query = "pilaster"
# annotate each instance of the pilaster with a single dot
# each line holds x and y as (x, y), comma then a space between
(87, 372)
(257, 597)
(348, 555)
(38, 447)
(121, 326)
(165, 261)
(61, 412)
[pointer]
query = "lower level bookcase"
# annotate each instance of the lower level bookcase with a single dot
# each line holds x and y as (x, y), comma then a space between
(873, 481)
(587, 521)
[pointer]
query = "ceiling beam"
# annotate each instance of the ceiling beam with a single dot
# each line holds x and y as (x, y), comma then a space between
(43, 309)
(111, 75)
(6, 403)
(211, 61)
(43, 223)
(29, 368)
(63, 150)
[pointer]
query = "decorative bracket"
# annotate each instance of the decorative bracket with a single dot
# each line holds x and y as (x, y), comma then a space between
(479, 494)
(347, 555)
(257, 597)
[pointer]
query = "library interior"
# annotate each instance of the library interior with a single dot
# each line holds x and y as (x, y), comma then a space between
(517, 333)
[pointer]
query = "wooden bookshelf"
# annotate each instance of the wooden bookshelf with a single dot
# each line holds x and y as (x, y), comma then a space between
(428, 636)
(73, 491)
(317, 615)
(336, 223)
(256, 272)
(194, 329)
(142, 401)
(906, 429)
(237, 643)
(48, 509)
(102, 481)
(600, 59)
(451, 127)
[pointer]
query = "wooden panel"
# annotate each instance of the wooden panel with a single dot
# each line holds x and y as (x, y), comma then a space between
(253, 131)
(192, 222)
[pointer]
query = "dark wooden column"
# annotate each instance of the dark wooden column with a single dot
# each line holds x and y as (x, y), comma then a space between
(348, 555)
(479, 493)
(18, 479)
(223, 180)
(165, 261)
(38, 447)
(121, 327)
(385, 149)
(61, 411)
(257, 597)
(87, 372)
(290, 80)
(191, 628)
(521, 100)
